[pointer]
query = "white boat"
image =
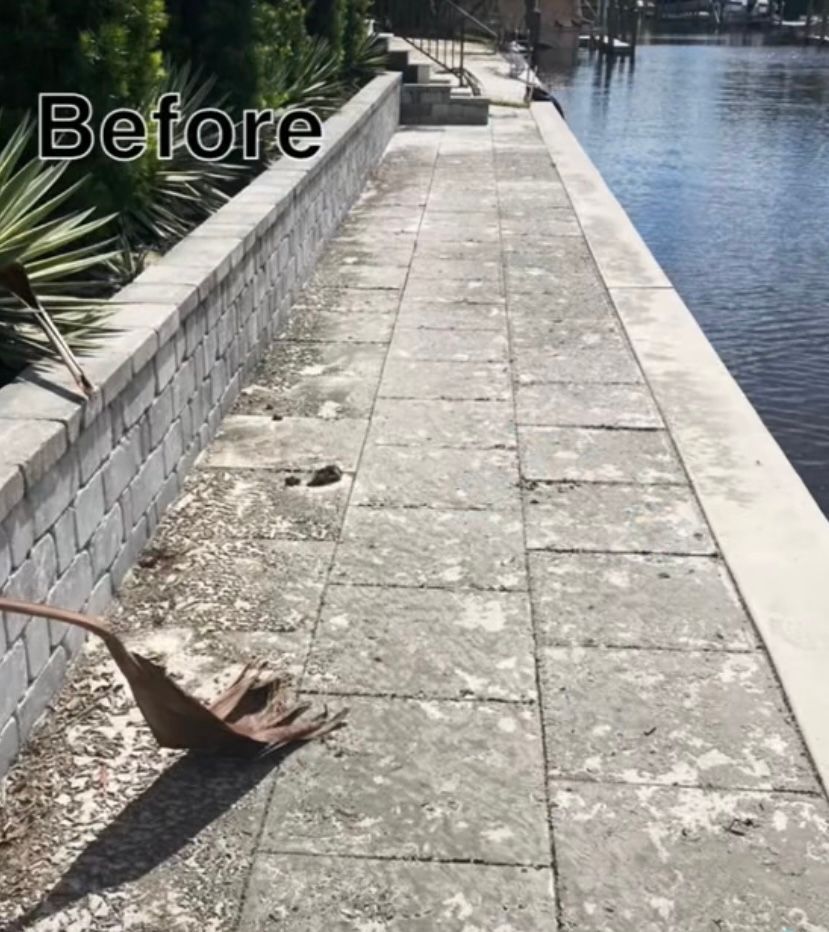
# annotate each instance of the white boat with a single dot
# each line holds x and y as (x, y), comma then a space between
(744, 11)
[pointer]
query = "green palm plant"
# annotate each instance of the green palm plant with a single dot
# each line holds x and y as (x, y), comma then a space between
(312, 78)
(49, 295)
(367, 58)
(169, 198)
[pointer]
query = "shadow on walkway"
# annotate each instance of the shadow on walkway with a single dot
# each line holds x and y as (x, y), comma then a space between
(155, 826)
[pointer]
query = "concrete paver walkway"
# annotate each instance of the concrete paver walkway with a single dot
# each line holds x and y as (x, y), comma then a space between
(561, 717)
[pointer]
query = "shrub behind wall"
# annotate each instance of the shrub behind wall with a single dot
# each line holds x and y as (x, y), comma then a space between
(108, 50)
(327, 19)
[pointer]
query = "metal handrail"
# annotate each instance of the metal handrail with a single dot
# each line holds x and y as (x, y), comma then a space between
(470, 17)
(437, 28)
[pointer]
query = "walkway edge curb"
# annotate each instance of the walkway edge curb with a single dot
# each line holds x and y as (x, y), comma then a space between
(773, 536)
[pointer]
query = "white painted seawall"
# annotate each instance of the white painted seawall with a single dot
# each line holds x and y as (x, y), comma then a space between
(771, 532)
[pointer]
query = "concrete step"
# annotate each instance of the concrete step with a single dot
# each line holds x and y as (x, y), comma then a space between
(397, 60)
(417, 73)
(441, 105)
(425, 95)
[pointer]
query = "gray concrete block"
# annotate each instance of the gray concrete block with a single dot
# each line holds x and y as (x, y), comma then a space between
(138, 396)
(97, 604)
(73, 588)
(89, 509)
(70, 592)
(123, 465)
(194, 331)
(125, 353)
(63, 531)
(172, 447)
(54, 493)
(5, 555)
(13, 679)
(424, 95)
(36, 446)
(19, 528)
(9, 744)
(218, 382)
(167, 495)
(36, 640)
(211, 343)
(134, 544)
(32, 581)
(146, 485)
(94, 446)
(106, 541)
(160, 416)
(40, 693)
(184, 384)
(165, 365)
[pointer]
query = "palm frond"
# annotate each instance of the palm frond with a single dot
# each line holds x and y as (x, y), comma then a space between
(311, 79)
(178, 193)
(57, 255)
(369, 58)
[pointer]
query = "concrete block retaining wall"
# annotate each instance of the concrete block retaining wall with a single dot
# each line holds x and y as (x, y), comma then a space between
(83, 484)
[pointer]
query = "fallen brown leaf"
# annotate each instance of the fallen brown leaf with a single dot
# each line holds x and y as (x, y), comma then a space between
(252, 717)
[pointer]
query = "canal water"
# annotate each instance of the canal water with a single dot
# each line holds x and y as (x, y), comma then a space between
(718, 148)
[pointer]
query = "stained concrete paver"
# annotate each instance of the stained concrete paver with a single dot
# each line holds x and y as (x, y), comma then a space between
(263, 585)
(443, 423)
(575, 365)
(473, 290)
(580, 301)
(418, 779)
(431, 547)
(346, 275)
(348, 253)
(633, 858)
(586, 405)
(295, 893)
(600, 334)
(451, 268)
(707, 718)
(615, 518)
(641, 601)
(429, 477)
(427, 314)
(338, 298)
(315, 380)
(424, 642)
(461, 248)
(339, 327)
(590, 454)
(449, 346)
(257, 503)
(434, 380)
(287, 443)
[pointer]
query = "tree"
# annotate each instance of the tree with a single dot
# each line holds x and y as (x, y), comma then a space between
(281, 41)
(327, 19)
(108, 50)
(354, 32)
(218, 38)
(120, 51)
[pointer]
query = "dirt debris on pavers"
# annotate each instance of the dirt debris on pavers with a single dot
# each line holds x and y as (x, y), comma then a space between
(561, 716)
